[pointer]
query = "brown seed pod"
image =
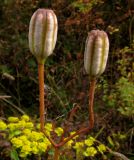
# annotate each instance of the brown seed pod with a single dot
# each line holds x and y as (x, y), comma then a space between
(96, 53)
(42, 34)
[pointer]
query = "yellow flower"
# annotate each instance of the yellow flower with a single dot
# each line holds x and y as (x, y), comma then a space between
(46, 141)
(59, 131)
(27, 131)
(90, 141)
(25, 140)
(69, 144)
(73, 132)
(101, 148)
(78, 145)
(23, 155)
(25, 118)
(29, 125)
(34, 146)
(16, 142)
(12, 126)
(26, 148)
(90, 151)
(48, 128)
(3, 125)
(35, 136)
(42, 146)
(13, 119)
(21, 124)
(25, 151)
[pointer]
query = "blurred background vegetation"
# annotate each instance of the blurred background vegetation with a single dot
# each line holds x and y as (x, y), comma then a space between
(66, 83)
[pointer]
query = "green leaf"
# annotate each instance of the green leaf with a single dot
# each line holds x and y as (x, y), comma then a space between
(110, 141)
(14, 155)
(14, 133)
(51, 152)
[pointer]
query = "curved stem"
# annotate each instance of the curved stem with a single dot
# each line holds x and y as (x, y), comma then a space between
(49, 138)
(41, 95)
(82, 130)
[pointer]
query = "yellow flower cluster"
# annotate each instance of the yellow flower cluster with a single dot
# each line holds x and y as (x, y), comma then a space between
(101, 148)
(59, 131)
(48, 128)
(31, 142)
(90, 151)
(16, 124)
(89, 141)
(87, 147)
(13, 119)
(78, 146)
(3, 125)
(27, 139)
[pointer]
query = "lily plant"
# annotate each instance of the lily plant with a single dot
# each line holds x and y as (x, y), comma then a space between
(42, 39)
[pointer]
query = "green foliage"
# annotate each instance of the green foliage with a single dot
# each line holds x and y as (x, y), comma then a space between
(121, 96)
(85, 6)
(14, 154)
(116, 139)
(125, 62)
(125, 97)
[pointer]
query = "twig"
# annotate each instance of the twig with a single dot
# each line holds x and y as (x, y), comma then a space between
(100, 131)
(49, 138)
(83, 130)
(14, 106)
(4, 96)
(117, 154)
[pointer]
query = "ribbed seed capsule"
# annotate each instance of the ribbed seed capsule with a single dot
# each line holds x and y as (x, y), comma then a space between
(96, 53)
(42, 34)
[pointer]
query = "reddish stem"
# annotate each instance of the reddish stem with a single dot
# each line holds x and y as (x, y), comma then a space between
(56, 154)
(91, 103)
(83, 130)
(41, 95)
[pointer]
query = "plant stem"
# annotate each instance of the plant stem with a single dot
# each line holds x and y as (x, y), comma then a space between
(41, 95)
(91, 102)
(78, 132)
(49, 138)
(56, 154)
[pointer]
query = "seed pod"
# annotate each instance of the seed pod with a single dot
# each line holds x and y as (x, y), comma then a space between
(42, 34)
(96, 53)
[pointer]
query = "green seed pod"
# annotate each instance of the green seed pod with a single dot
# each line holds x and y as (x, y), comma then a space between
(96, 53)
(42, 34)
